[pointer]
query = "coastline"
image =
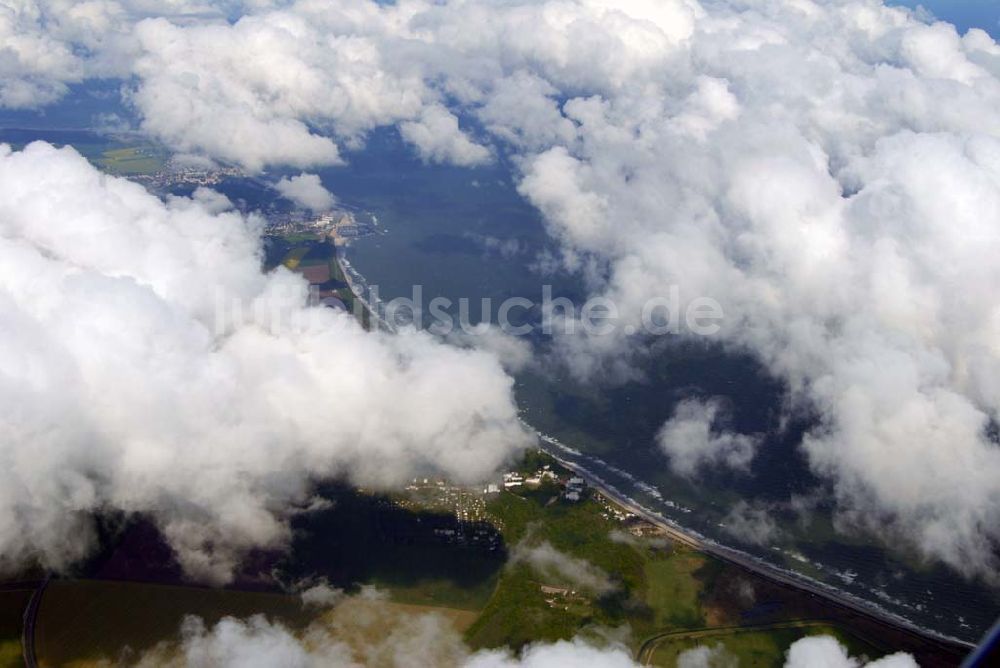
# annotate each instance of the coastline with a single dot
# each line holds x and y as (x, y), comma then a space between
(863, 606)
(757, 566)
(353, 279)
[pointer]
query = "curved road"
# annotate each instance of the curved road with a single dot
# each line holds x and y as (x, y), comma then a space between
(30, 620)
(645, 654)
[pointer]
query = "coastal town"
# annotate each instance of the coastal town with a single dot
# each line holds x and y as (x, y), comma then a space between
(472, 524)
(339, 226)
(174, 176)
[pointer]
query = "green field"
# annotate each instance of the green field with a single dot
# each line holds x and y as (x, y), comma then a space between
(10, 653)
(94, 624)
(12, 605)
(132, 160)
(302, 238)
(120, 155)
(763, 648)
(81, 622)
(299, 250)
(669, 598)
(293, 258)
(656, 588)
(673, 589)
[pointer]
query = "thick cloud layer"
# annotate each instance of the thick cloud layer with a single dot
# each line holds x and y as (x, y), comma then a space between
(131, 381)
(48, 45)
(255, 91)
(829, 172)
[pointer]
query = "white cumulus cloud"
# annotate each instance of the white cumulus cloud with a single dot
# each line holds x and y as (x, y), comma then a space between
(694, 438)
(826, 652)
(307, 191)
(130, 381)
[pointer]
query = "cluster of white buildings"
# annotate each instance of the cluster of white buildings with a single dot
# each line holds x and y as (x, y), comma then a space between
(612, 511)
(574, 489)
(175, 176)
(291, 223)
(512, 479)
(473, 524)
(515, 479)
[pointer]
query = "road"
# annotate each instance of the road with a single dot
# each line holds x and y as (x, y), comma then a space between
(30, 620)
(760, 568)
(645, 654)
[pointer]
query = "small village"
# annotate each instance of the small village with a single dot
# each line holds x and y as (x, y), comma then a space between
(173, 176)
(473, 525)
